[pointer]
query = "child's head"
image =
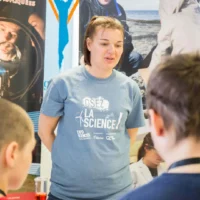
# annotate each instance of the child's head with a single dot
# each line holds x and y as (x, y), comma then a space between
(173, 101)
(16, 145)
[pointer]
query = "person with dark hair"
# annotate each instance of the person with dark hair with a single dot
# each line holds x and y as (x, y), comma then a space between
(96, 123)
(38, 23)
(148, 165)
(131, 60)
(16, 145)
(173, 106)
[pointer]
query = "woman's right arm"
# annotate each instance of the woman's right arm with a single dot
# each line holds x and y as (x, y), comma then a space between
(47, 126)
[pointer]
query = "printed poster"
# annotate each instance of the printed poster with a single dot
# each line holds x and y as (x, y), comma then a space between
(22, 34)
(22, 38)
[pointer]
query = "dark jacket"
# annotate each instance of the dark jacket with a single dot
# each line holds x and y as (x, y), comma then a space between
(89, 8)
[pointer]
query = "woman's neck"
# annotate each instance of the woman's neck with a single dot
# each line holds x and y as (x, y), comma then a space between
(98, 73)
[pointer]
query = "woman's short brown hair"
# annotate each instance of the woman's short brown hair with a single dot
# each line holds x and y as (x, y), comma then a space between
(99, 21)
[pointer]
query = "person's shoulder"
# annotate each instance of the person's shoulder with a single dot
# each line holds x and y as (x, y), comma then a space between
(146, 191)
(134, 166)
(120, 74)
(85, 3)
(122, 77)
(169, 187)
(121, 8)
(69, 74)
(139, 162)
(123, 13)
(141, 193)
(77, 70)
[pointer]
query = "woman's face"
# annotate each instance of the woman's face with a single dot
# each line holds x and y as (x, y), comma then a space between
(153, 157)
(106, 48)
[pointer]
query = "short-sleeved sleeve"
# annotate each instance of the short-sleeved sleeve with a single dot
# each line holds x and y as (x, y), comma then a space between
(53, 103)
(136, 116)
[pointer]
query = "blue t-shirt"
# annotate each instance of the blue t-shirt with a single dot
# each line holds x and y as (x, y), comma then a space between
(169, 186)
(90, 154)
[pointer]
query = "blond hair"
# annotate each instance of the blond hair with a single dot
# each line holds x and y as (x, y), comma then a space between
(15, 124)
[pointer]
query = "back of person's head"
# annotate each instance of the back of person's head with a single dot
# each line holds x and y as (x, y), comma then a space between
(99, 22)
(146, 144)
(172, 94)
(16, 144)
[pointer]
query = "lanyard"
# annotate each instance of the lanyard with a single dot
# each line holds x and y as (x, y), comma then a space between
(3, 193)
(184, 162)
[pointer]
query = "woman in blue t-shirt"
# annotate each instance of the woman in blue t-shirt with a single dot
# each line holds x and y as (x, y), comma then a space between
(98, 111)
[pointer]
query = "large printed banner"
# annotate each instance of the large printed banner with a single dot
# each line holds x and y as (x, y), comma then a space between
(22, 36)
(22, 28)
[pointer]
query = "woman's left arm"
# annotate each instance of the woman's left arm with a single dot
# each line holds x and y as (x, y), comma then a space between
(132, 132)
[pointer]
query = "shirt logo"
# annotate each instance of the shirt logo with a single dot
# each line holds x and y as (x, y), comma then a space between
(99, 103)
(83, 136)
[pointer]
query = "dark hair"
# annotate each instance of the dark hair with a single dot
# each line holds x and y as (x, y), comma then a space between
(13, 11)
(15, 124)
(173, 92)
(147, 143)
(99, 21)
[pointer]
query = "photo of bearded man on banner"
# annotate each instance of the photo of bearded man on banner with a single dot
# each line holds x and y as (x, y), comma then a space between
(22, 54)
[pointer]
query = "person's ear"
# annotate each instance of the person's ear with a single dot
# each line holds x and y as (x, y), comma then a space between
(11, 154)
(156, 122)
(88, 43)
(146, 149)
